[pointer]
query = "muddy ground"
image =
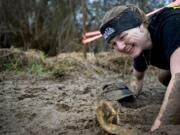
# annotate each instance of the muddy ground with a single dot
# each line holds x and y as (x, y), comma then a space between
(64, 103)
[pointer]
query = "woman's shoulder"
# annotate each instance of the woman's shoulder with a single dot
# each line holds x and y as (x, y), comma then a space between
(166, 13)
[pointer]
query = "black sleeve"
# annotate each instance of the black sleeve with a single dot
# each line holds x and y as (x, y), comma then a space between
(140, 64)
(171, 35)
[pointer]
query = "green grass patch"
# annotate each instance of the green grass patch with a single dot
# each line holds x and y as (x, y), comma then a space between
(34, 68)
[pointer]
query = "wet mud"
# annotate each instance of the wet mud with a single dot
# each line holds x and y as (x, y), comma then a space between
(45, 105)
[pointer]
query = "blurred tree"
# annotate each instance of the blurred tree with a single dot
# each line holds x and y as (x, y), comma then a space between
(55, 26)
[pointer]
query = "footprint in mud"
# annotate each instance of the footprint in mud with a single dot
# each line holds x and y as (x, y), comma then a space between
(82, 91)
(28, 95)
(62, 107)
(32, 116)
(35, 90)
(31, 93)
(86, 90)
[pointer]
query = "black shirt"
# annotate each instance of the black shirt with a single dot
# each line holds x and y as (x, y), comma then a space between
(164, 28)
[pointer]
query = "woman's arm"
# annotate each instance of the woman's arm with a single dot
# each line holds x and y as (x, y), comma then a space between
(136, 82)
(170, 105)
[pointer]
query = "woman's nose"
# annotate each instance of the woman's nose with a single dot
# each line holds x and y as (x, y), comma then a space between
(120, 45)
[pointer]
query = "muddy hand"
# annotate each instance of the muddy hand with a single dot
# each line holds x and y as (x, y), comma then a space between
(108, 117)
(156, 125)
(136, 85)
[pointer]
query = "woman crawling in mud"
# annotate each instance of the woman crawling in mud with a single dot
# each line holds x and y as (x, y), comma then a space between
(149, 41)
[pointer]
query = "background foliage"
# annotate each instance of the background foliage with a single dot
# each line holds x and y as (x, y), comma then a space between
(55, 26)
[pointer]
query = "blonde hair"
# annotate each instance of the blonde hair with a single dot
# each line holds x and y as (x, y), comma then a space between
(112, 13)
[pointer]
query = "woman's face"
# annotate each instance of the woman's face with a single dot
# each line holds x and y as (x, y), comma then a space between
(133, 41)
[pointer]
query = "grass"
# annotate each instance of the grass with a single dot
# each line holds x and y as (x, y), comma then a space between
(35, 62)
(31, 62)
(35, 68)
(42, 56)
(38, 69)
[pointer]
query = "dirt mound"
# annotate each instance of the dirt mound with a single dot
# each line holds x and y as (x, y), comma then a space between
(13, 58)
(75, 64)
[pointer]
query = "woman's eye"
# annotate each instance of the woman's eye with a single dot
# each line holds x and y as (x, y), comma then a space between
(113, 44)
(122, 37)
